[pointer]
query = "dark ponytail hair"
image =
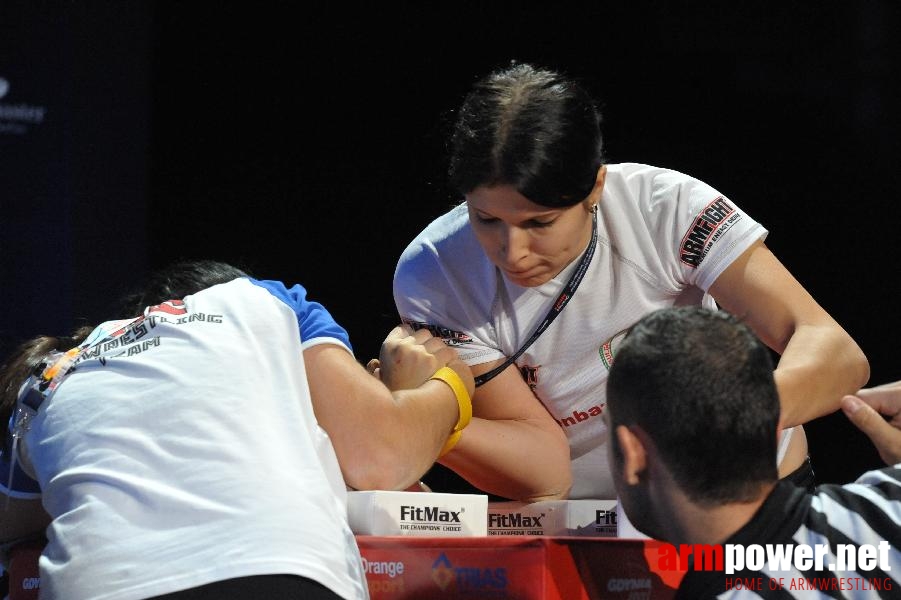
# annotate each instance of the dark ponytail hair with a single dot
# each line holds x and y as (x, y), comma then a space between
(531, 128)
(176, 281)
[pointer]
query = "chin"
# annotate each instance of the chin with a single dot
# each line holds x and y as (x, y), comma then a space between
(529, 281)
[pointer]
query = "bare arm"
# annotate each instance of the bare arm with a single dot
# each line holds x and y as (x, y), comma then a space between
(819, 362)
(386, 439)
(513, 447)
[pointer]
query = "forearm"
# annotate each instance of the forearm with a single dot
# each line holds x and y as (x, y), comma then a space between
(399, 439)
(819, 360)
(516, 459)
(383, 439)
(404, 441)
(820, 364)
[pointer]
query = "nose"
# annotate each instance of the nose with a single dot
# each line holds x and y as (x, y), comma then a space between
(513, 246)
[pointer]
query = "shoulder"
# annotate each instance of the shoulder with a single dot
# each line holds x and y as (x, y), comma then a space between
(446, 250)
(668, 203)
(439, 239)
(444, 274)
(648, 187)
(315, 321)
(871, 506)
(294, 296)
(884, 483)
(249, 297)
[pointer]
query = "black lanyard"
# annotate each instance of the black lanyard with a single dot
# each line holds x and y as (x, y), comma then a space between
(556, 308)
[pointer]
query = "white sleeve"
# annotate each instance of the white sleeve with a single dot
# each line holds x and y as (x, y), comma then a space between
(698, 231)
(447, 286)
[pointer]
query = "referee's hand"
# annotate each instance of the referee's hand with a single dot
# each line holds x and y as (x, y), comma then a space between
(877, 412)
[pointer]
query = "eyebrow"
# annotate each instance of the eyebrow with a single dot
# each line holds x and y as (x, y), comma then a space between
(541, 215)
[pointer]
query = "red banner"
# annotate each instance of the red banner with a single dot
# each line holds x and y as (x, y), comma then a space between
(477, 568)
(521, 568)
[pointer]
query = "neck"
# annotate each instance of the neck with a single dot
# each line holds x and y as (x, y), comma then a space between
(693, 523)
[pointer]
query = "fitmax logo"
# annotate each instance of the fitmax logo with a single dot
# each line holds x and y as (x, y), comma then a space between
(429, 513)
(514, 520)
(605, 517)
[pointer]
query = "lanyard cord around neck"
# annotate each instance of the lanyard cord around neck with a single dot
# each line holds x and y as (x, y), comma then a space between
(56, 365)
(44, 380)
(559, 304)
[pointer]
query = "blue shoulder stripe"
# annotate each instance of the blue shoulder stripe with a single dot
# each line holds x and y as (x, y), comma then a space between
(312, 318)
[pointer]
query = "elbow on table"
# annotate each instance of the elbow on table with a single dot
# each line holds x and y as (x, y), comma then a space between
(379, 469)
(560, 493)
(557, 479)
(556, 488)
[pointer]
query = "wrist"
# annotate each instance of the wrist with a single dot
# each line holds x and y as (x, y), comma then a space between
(464, 404)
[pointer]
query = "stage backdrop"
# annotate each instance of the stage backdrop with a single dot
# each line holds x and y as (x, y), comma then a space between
(75, 101)
(310, 147)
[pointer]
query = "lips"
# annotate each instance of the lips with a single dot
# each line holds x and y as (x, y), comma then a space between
(527, 278)
(519, 274)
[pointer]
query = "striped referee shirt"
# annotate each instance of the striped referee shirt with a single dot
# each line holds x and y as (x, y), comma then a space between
(855, 529)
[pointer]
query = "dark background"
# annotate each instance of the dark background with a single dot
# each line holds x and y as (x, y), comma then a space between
(307, 143)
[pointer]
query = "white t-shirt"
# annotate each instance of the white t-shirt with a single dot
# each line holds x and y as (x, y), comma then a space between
(663, 239)
(185, 451)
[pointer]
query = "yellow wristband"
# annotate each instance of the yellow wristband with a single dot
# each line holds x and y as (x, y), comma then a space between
(450, 443)
(450, 377)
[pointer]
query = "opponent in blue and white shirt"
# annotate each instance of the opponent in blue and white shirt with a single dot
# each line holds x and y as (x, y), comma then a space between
(213, 438)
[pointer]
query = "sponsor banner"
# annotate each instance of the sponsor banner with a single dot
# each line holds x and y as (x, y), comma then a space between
(520, 568)
(500, 568)
(596, 518)
(417, 513)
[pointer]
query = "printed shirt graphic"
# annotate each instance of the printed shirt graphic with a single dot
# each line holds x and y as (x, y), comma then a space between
(443, 278)
(710, 225)
(209, 383)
